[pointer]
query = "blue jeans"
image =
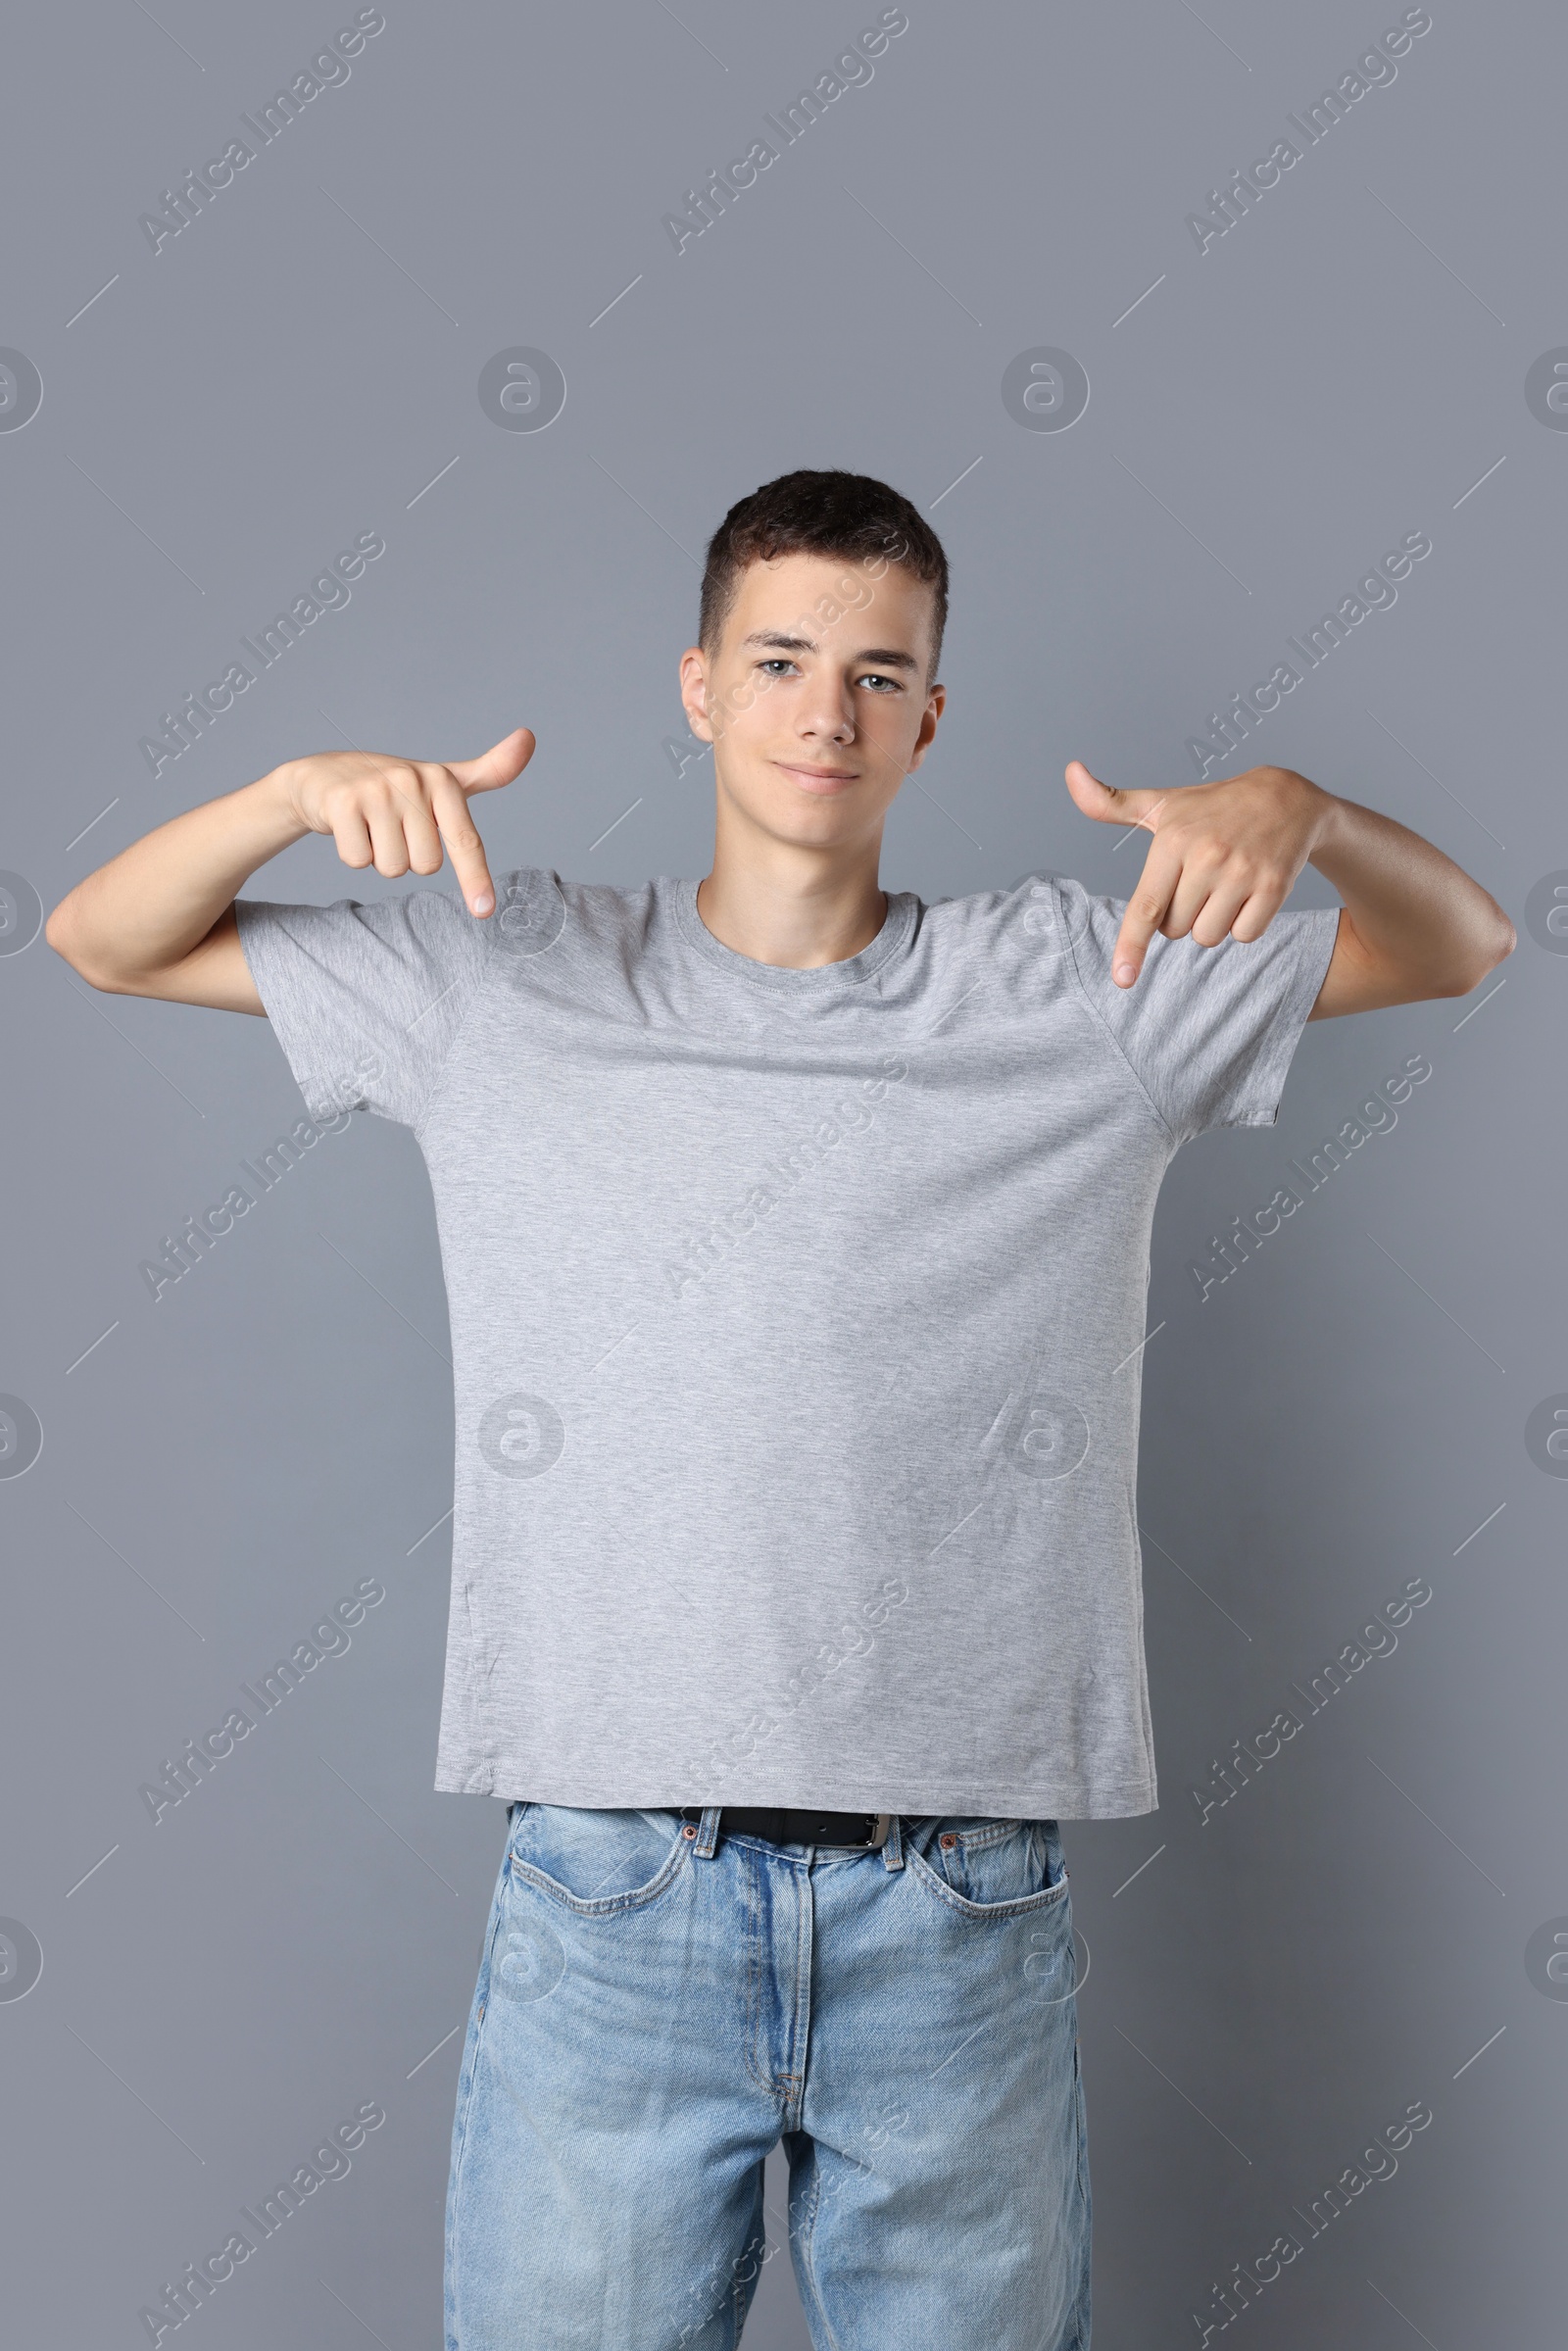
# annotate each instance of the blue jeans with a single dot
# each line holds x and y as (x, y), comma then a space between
(658, 2005)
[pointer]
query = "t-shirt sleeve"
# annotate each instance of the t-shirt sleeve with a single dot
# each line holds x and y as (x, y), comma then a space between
(366, 998)
(1208, 1032)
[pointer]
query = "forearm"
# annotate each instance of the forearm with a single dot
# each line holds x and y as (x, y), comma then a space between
(148, 908)
(1412, 908)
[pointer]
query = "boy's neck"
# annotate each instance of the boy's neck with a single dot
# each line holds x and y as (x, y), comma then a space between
(779, 903)
(790, 904)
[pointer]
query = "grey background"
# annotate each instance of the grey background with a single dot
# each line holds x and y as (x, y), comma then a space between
(1340, 369)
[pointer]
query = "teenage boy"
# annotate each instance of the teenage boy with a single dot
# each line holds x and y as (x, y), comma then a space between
(796, 1239)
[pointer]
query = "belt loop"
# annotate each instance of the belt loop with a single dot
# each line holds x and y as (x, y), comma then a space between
(707, 1834)
(893, 1846)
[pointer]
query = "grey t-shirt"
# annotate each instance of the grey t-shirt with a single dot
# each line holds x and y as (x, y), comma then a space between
(796, 1320)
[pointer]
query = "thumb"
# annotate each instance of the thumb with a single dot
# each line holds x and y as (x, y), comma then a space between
(1104, 803)
(498, 765)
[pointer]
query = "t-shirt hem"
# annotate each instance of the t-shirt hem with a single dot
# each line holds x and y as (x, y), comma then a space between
(912, 1799)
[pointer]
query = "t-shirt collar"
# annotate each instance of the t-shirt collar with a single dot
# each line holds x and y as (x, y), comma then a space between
(898, 927)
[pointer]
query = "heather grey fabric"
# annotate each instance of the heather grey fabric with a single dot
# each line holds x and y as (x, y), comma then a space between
(795, 1318)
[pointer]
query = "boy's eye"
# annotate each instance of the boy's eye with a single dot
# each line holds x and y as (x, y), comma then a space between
(777, 663)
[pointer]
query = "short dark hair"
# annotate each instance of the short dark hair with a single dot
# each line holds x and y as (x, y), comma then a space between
(832, 513)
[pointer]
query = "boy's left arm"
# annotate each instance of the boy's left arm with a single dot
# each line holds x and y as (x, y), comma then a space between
(1225, 854)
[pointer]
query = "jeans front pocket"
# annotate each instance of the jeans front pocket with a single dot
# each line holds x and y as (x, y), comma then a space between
(992, 1869)
(596, 1863)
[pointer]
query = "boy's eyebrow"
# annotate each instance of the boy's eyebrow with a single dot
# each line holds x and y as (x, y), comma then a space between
(778, 640)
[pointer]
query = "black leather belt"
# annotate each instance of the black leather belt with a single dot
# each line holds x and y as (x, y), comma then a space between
(782, 1826)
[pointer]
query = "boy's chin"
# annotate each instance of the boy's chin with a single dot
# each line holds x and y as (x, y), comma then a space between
(773, 800)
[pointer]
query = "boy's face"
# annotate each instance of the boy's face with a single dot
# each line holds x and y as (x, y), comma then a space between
(816, 700)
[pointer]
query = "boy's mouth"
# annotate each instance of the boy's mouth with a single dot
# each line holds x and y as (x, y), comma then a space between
(817, 780)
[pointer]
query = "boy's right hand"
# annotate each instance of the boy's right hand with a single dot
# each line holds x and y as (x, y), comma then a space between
(396, 814)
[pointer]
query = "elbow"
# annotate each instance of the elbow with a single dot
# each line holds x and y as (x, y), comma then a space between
(1492, 948)
(59, 933)
(1501, 942)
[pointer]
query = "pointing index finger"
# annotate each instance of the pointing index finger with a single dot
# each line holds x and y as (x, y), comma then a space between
(448, 803)
(1146, 911)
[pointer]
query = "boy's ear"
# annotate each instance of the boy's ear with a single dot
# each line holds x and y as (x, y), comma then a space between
(694, 692)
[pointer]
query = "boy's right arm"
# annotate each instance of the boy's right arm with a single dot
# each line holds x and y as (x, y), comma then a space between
(158, 919)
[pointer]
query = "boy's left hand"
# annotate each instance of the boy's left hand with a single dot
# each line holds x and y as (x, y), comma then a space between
(1222, 860)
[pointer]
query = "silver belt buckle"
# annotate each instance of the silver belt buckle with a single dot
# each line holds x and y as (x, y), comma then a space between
(884, 1824)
